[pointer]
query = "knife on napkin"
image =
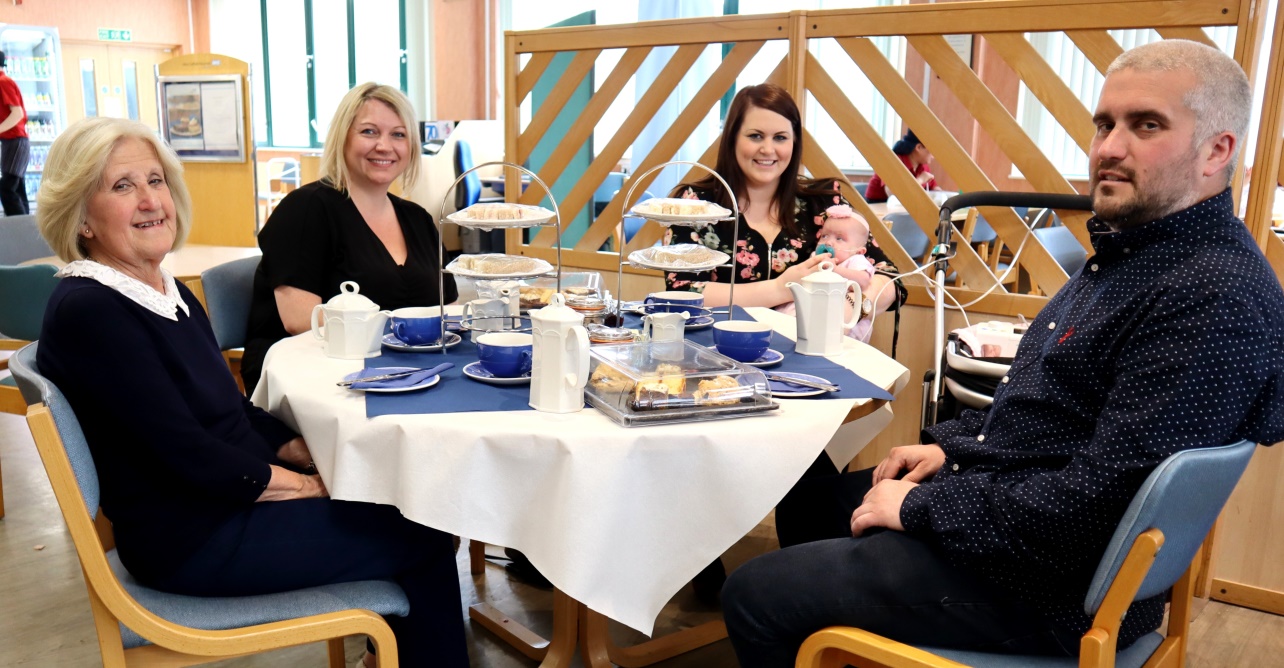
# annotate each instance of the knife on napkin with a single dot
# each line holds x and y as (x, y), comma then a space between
(802, 382)
(426, 373)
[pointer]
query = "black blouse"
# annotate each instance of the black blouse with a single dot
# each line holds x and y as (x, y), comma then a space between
(315, 240)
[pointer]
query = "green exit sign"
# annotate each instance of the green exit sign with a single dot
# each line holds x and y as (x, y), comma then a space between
(113, 35)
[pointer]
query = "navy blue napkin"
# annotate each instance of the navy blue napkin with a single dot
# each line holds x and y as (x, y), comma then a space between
(393, 383)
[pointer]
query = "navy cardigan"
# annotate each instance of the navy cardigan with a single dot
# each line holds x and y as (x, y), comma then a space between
(178, 449)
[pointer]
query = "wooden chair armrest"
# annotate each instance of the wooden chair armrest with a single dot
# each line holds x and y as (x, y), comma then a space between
(829, 648)
(1097, 648)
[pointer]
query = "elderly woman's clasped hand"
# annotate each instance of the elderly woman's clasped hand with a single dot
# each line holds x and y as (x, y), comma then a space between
(286, 484)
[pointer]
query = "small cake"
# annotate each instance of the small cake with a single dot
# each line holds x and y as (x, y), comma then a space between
(687, 253)
(692, 208)
(533, 297)
(719, 391)
(493, 211)
(652, 391)
(671, 376)
(496, 264)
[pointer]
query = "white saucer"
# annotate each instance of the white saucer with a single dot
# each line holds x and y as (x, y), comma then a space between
(409, 388)
(769, 358)
(477, 372)
(391, 341)
(802, 391)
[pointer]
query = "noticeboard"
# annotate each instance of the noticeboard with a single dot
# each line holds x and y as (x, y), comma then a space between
(202, 117)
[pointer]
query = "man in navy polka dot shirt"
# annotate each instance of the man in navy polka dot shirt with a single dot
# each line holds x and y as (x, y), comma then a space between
(1171, 337)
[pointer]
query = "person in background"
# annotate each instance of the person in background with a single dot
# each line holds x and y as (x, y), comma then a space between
(15, 147)
(914, 156)
(347, 227)
(988, 535)
(208, 495)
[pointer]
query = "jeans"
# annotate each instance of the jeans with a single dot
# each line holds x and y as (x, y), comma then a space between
(885, 582)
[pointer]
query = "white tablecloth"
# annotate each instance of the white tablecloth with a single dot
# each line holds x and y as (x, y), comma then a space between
(619, 519)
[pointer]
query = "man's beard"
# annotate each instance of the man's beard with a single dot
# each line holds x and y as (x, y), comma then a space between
(1160, 195)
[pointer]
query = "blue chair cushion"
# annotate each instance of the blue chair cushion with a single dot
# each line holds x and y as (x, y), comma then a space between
(1133, 657)
(379, 596)
(8, 381)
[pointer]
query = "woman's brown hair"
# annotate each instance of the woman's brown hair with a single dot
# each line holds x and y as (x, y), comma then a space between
(772, 98)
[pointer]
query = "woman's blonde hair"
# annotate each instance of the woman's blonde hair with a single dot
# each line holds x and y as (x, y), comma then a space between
(73, 172)
(333, 166)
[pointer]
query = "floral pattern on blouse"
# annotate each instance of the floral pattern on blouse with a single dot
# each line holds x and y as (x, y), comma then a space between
(755, 259)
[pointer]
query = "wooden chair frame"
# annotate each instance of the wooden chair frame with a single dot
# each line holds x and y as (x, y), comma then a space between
(175, 645)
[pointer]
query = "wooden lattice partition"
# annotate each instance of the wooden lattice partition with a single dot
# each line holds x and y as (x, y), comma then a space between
(1002, 25)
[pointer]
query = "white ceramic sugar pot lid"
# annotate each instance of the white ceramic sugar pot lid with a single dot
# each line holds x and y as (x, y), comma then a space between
(350, 300)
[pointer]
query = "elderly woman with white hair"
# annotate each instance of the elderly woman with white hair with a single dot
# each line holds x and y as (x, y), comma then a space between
(207, 494)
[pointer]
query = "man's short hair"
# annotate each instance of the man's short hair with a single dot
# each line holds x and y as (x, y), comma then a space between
(1222, 96)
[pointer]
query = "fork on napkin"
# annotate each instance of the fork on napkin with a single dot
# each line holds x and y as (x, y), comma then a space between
(402, 377)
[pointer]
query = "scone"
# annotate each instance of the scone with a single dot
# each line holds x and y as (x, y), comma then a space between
(609, 380)
(671, 376)
(719, 391)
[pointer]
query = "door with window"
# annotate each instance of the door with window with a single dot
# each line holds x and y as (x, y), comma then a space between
(116, 80)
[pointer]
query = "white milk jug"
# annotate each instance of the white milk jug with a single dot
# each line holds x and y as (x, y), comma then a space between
(663, 327)
(818, 302)
(560, 365)
(350, 324)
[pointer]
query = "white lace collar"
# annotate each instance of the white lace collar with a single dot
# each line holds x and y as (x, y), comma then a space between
(164, 305)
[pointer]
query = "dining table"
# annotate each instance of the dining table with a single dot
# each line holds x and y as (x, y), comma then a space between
(617, 518)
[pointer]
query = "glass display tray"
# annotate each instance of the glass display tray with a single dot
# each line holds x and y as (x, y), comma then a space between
(659, 383)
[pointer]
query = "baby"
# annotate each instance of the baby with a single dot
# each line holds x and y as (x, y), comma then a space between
(843, 236)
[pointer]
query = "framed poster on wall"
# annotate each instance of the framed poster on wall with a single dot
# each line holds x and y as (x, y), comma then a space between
(202, 117)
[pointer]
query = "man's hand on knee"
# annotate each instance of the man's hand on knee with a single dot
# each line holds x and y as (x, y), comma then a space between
(921, 462)
(882, 507)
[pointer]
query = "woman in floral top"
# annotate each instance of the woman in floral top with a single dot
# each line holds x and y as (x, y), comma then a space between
(780, 214)
(780, 217)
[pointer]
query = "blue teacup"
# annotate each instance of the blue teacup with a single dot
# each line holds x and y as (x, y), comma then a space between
(505, 354)
(673, 301)
(741, 340)
(418, 326)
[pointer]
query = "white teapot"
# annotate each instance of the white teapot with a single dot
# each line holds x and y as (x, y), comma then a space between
(560, 366)
(818, 302)
(351, 325)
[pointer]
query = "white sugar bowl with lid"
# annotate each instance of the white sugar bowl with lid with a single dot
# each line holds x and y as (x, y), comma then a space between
(350, 324)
